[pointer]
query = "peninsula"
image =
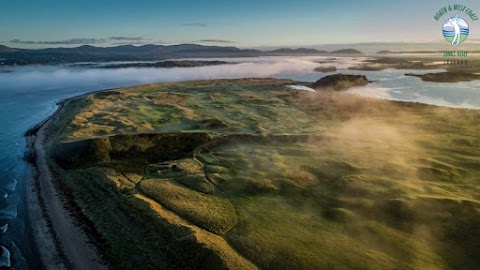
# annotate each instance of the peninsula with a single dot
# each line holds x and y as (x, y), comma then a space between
(247, 174)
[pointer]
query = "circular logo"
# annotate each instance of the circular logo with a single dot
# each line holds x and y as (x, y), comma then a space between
(455, 30)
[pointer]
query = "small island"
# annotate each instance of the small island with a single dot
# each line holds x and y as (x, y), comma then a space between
(386, 63)
(340, 82)
(446, 77)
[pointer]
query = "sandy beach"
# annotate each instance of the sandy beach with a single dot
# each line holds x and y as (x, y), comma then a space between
(61, 242)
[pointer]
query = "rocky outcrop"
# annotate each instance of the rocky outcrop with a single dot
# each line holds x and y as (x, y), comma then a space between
(340, 82)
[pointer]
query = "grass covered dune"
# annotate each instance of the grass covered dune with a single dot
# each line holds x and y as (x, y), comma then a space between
(245, 174)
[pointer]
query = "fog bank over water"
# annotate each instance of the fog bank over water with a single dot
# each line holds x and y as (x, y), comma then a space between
(388, 84)
(58, 76)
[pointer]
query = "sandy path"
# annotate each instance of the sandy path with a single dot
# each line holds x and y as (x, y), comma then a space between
(71, 240)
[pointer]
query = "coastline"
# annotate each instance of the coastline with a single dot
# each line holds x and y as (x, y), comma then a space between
(62, 234)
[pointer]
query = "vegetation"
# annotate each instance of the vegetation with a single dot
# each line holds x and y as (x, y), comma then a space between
(457, 70)
(446, 76)
(272, 178)
(340, 82)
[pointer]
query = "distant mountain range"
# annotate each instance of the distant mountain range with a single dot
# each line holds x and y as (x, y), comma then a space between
(347, 51)
(87, 53)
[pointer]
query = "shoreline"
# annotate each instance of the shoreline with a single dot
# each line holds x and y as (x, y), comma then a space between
(62, 235)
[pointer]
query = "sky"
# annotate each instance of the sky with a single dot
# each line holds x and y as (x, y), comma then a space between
(246, 23)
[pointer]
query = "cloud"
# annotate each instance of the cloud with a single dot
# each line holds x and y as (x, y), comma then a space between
(128, 43)
(214, 41)
(122, 38)
(195, 24)
(67, 41)
(142, 42)
(113, 40)
(79, 41)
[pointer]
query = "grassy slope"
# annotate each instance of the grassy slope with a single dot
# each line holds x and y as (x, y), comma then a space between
(289, 180)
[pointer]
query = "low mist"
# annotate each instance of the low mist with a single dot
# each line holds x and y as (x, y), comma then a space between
(58, 76)
(388, 84)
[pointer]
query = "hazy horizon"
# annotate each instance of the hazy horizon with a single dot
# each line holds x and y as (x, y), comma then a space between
(366, 47)
(246, 24)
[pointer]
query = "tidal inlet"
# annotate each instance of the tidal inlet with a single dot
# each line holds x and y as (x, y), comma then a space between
(199, 137)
